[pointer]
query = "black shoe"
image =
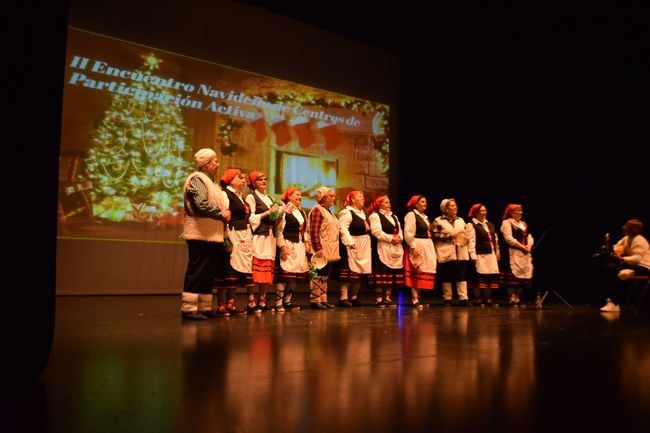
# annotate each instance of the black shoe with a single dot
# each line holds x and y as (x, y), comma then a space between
(388, 303)
(446, 302)
(212, 314)
(193, 316)
(317, 306)
(417, 305)
(290, 306)
(252, 310)
(464, 303)
(356, 303)
(327, 305)
(380, 304)
(345, 303)
(265, 308)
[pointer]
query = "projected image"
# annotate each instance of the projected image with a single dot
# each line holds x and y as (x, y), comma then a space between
(305, 172)
(133, 117)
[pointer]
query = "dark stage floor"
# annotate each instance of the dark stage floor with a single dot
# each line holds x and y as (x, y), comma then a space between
(128, 364)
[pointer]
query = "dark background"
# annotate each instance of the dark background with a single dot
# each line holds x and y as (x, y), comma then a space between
(546, 106)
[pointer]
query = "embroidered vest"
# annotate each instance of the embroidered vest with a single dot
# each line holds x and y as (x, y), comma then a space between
(292, 229)
(421, 227)
(239, 212)
(329, 233)
(386, 226)
(358, 226)
(485, 243)
(266, 224)
(201, 228)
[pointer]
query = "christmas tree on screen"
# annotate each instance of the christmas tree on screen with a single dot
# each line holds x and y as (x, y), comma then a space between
(139, 157)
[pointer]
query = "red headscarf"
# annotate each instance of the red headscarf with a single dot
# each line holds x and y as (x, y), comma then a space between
(509, 209)
(474, 209)
(348, 199)
(252, 177)
(229, 175)
(413, 201)
(287, 194)
(374, 207)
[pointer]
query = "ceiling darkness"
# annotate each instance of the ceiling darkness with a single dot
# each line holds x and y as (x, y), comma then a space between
(373, 23)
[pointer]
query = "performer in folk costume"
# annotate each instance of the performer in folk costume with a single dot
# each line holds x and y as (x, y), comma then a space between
(323, 230)
(356, 258)
(291, 261)
(516, 258)
(451, 241)
(387, 251)
(203, 229)
(484, 253)
(238, 269)
(263, 220)
(420, 258)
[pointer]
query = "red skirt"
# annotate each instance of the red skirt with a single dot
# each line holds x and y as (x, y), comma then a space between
(262, 271)
(414, 278)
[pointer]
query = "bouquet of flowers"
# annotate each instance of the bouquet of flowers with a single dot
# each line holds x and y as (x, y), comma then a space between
(274, 215)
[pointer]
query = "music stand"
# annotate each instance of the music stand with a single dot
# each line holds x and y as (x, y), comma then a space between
(539, 302)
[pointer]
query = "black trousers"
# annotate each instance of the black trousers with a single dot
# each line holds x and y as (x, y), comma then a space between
(612, 287)
(452, 272)
(205, 263)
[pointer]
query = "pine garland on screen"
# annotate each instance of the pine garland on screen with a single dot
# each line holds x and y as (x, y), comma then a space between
(139, 156)
(380, 140)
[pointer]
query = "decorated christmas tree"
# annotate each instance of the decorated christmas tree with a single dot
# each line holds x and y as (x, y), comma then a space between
(139, 157)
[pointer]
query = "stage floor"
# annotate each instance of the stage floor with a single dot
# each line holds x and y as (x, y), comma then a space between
(128, 364)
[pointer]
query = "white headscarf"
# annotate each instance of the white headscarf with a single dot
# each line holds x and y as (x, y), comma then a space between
(322, 192)
(203, 156)
(444, 203)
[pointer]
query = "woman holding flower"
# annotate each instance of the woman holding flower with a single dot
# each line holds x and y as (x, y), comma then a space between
(263, 208)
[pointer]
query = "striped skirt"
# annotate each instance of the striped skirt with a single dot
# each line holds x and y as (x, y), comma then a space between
(263, 271)
(414, 278)
(342, 272)
(510, 281)
(385, 278)
(231, 278)
(282, 276)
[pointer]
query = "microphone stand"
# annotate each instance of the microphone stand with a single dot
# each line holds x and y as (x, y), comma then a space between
(539, 302)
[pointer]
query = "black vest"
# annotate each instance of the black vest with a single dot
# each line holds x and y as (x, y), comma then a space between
(266, 224)
(238, 212)
(358, 225)
(421, 227)
(519, 234)
(292, 230)
(386, 226)
(483, 240)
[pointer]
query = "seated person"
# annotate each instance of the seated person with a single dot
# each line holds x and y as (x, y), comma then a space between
(631, 256)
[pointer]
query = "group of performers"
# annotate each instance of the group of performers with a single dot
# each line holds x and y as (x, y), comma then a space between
(253, 242)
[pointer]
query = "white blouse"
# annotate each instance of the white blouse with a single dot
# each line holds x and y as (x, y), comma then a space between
(345, 219)
(263, 245)
(390, 254)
